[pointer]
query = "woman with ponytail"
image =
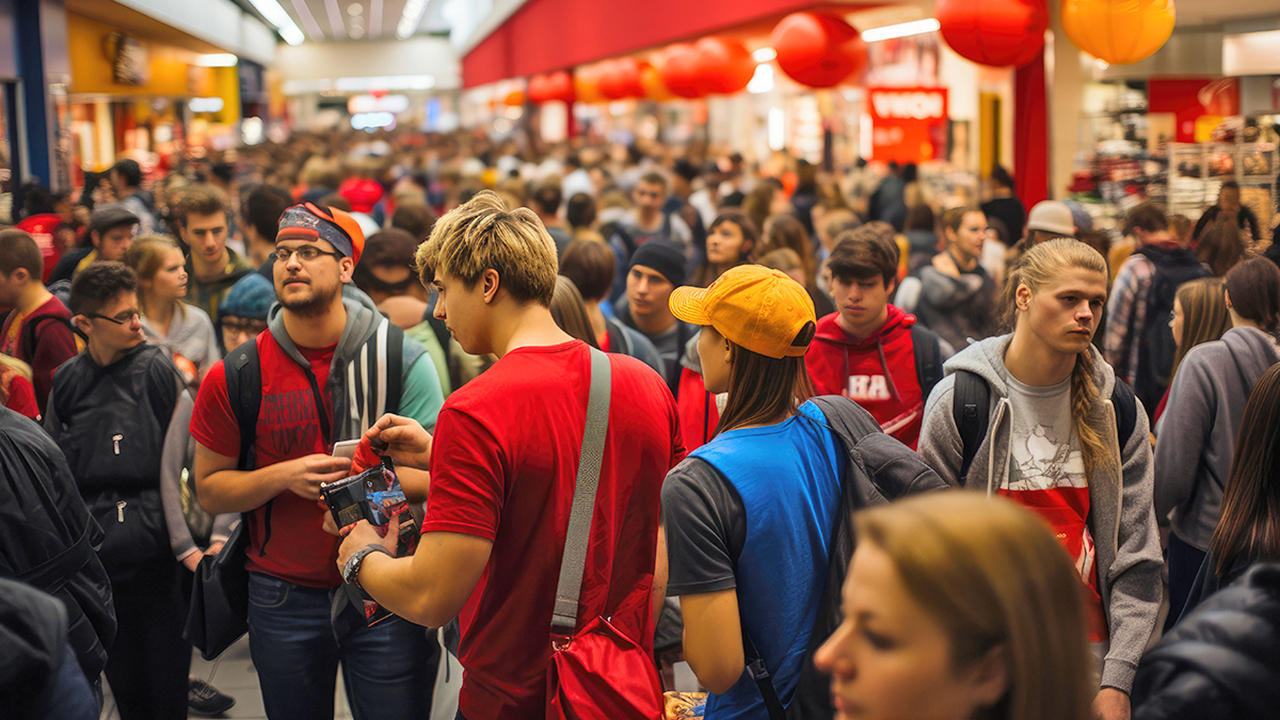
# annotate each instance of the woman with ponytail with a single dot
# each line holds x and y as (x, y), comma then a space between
(1197, 433)
(1053, 443)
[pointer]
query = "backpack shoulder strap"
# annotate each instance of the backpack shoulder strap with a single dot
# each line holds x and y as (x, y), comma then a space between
(928, 356)
(244, 391)
(395, 366)
(1126, 405)
(970, 408)
(31, 328)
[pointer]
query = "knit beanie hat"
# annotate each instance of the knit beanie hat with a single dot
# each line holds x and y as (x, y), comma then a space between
(663, 257)
(251, 297)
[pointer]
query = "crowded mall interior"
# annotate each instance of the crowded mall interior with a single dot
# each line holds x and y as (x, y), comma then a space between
(504, 359)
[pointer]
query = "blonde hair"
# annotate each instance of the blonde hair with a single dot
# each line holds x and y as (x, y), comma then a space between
(146, 256)
(992, 574)
(1037, 268)
(1204, 315)
(483, 234)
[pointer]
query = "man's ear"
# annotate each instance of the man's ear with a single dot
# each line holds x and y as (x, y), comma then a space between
(20, 276)
(95, 237)
(82, 324)
(490, 283)
(346, 269)
(891, 286)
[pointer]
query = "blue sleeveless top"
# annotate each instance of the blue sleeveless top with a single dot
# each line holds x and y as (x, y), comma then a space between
(788, 477)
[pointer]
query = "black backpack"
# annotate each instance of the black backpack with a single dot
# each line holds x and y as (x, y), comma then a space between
(928, 355)
(1156, 348)
(880, 470)
(971, 412)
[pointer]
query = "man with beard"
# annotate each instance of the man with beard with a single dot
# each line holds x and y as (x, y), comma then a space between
(327, 368)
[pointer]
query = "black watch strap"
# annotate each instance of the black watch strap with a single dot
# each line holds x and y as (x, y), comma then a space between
(352, 569)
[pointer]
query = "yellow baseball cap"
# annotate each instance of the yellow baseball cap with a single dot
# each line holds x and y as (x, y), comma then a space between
(757, 308)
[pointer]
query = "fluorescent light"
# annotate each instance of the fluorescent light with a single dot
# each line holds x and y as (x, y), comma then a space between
(764, 54)
(916, 27)
(762, 81)
(410, 18)
(271, 10)
(205, 105)
(216, 60)
(392, 82)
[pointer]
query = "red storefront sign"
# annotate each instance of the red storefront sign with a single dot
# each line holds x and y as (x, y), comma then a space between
(907, 124)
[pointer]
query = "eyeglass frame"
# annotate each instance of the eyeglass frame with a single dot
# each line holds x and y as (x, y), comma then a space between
(290, 252)
(131, 315)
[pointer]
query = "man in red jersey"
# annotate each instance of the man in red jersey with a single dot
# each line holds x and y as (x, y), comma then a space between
(503, 465)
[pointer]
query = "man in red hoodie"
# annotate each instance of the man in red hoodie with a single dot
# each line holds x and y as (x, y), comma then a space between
(869, 350)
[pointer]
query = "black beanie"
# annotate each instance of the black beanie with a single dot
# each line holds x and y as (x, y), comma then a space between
(663, 257)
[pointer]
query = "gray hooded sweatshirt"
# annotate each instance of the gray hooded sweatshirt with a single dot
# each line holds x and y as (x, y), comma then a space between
(1196, 435)
(1121, 519)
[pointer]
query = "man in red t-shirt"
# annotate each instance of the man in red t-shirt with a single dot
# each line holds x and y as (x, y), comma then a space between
(324, 363)
(503, 465)
(37, 331)
(867, 350)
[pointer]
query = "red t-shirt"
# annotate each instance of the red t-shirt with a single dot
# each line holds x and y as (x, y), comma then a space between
(54, 344)
(288, 427)
(503, 467)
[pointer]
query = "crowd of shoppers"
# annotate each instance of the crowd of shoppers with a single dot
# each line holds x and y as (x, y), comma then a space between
(778, 344)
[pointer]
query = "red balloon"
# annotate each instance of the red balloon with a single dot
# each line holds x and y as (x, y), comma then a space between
(818, 50)
(725, 65)
(560, 86)
(680, 72)
(994, 32)
(620, 79)
(538, 91)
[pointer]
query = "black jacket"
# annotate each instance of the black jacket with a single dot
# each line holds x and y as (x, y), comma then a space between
(1221, 661)
(48, 540)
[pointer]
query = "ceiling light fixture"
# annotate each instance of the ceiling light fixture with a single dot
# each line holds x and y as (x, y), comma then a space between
(274, 14)
(915, 27)
(216, 60)
(335, 19)
(764, 54)
(410, 18)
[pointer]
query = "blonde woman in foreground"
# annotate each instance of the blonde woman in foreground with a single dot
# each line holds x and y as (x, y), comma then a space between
(959, 606)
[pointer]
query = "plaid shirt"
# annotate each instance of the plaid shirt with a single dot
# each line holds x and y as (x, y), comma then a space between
(1127, 309)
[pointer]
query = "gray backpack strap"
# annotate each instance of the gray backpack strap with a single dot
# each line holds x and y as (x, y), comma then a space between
(564, 619)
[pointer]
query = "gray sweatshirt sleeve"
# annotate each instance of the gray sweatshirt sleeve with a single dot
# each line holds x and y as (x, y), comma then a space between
(171, 462)
(1134, 579)
(940, 445)
(1186, 422)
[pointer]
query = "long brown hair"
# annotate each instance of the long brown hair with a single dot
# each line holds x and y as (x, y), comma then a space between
(1251, 503)
(786, 231)
(570, 313)
(1038, 268)
(1254, 286)
(146, 256)
(707, 272)
(1204, 315)
(1220, 247)
(993, 576)
(762, 389)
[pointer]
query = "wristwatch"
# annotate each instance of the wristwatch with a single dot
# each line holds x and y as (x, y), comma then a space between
(352, 569)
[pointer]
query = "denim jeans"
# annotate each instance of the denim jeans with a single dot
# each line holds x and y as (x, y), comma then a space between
(388, 670)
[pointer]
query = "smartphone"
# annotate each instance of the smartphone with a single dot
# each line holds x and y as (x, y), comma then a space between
(345, 448)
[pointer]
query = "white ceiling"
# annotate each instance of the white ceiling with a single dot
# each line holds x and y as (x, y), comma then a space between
(328, 20)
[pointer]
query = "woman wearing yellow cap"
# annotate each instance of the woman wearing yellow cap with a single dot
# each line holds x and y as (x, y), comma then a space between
(750, 515)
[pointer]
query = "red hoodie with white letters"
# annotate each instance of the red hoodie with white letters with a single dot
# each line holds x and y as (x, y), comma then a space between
(878, 372)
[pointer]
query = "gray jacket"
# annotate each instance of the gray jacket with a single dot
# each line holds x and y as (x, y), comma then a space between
(1196, 435)
(625, 341)
(1121, 518)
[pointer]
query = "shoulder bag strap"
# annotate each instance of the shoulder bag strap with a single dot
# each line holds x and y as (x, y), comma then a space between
(970, 408)
(564, 619)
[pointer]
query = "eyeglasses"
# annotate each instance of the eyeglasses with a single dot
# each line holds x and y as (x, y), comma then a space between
(306, 253)
(120, 319)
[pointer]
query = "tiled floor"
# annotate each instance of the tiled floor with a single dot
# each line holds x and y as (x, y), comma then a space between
(235, 676)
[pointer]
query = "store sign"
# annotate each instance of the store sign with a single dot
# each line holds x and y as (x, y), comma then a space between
(907, 124)
(129, 66)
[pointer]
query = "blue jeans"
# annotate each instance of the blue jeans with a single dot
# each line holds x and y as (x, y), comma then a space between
(388, 670)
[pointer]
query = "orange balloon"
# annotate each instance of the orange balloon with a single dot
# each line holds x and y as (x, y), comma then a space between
(725, 65)
(1121, 32)
(515, 98)
(654, 88)
(586, 84)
